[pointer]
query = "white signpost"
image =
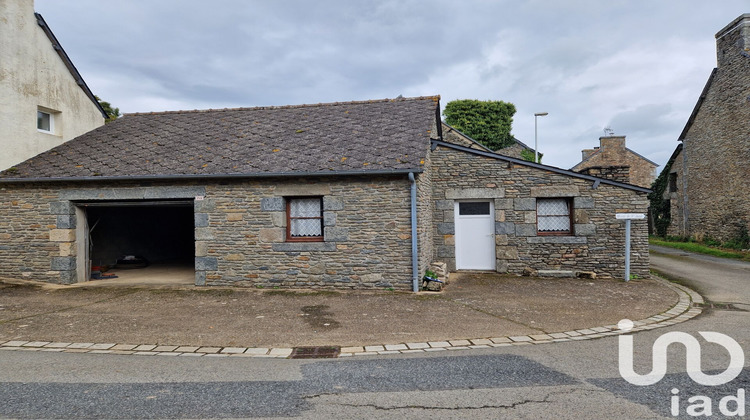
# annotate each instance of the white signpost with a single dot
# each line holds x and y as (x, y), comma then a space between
(627, 217)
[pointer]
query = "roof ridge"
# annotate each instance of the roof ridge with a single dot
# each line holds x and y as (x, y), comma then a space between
(271, 107)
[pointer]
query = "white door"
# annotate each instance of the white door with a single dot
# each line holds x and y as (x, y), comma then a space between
(475, 235)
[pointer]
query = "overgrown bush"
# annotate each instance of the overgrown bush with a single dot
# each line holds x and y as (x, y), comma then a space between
(740, 240)
(659, 207)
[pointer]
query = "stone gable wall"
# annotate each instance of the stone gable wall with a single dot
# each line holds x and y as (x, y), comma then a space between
(598, 241)
(717, 146)
(613, 153)
(677, 199)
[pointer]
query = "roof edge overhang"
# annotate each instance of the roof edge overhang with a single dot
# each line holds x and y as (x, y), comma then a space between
(540, 166)
(697, 107)
(196, 177)
(69, 63)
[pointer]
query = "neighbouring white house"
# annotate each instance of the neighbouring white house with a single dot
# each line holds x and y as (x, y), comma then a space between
(44, 101)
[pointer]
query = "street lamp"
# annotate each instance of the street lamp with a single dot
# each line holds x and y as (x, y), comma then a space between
(536, 141)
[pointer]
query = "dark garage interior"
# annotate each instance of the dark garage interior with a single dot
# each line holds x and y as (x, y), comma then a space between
(153, 232)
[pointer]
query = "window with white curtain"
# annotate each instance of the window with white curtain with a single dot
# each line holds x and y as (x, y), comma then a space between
(553, 216)
(304, 219)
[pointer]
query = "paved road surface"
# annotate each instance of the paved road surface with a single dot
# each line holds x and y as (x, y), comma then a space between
(717, 279)
(573, 380)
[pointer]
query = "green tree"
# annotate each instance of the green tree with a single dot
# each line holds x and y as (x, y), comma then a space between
(488, 122)
(112, 113)
(660, 207)
(528, 155)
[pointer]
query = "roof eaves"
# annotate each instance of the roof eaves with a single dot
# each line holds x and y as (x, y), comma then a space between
(467, 137)
(210, 176)
(524, 145)
(596, 152)
(541, 166)
(698, 104)
(68, 63)
(642, 157)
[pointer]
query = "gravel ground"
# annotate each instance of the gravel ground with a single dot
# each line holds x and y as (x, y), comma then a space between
(473, 305)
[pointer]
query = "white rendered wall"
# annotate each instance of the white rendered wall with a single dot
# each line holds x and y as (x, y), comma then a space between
(32, 75)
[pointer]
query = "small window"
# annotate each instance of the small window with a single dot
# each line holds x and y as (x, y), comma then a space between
(304, 219)
(673, 182)
(554, 216)
(474, 209)
(45, 122)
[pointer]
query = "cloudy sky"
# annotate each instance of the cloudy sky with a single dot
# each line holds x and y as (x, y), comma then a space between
(635, 66)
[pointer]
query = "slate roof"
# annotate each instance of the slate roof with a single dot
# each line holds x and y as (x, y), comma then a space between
(388, 135)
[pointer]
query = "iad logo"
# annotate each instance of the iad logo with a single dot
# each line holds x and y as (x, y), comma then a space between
(702, 404)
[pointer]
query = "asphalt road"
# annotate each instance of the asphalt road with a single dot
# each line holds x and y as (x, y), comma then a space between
(717, 279)
(570, 380)
(573, 380)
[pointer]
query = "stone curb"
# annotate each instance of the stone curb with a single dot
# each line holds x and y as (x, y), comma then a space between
(681, 312)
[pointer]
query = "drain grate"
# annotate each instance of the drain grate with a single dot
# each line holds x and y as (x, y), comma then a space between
(326, 352)
(719, 305)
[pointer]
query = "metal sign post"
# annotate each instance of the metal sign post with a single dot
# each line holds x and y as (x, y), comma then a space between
(627, 217)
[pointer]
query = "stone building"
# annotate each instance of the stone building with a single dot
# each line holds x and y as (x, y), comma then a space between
(612, 159)
(342, 195)
(44, 101)
(454, 136)
(708, 180)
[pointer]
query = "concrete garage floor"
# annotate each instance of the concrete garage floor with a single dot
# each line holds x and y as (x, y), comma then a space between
(154, 275)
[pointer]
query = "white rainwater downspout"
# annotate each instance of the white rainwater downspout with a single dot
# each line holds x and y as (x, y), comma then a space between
(414, 249)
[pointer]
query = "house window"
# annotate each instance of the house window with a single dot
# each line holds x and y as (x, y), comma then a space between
(45, 122)
(554, 216)
(673, 182)
(304, 219)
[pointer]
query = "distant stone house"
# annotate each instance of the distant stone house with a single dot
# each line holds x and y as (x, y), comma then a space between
(452, 135)
(709, 172)
(613, 160)
(44, 101)
(342, 195)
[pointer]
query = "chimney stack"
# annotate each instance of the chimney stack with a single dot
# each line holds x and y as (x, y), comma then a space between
(733, 42)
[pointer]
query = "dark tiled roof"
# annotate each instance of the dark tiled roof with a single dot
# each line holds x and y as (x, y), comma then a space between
(368, 136)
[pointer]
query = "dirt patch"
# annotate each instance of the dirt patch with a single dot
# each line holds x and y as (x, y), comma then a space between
(472, 306)
(558, 305)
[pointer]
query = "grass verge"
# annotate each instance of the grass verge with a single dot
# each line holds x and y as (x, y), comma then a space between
(701, 249)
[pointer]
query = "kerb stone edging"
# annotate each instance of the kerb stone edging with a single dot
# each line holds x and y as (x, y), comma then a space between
(681, 312)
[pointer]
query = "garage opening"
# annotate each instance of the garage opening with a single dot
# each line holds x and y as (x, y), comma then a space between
(139, 242)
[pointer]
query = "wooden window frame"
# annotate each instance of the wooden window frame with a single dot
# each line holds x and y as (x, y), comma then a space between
(289, 218)
(571, 215)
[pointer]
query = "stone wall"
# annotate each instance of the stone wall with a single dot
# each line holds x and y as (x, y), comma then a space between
(717, 145)
(35, 237)
(424, 218)
(612, 153)
(615, 173)
(367, 235)
(677, 225)
(239, 231)
(597, 243)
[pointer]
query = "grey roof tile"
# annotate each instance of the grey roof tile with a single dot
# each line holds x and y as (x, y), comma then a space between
(377, 135)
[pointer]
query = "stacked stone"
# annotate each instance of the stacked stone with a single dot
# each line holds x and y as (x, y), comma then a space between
(598, 239)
